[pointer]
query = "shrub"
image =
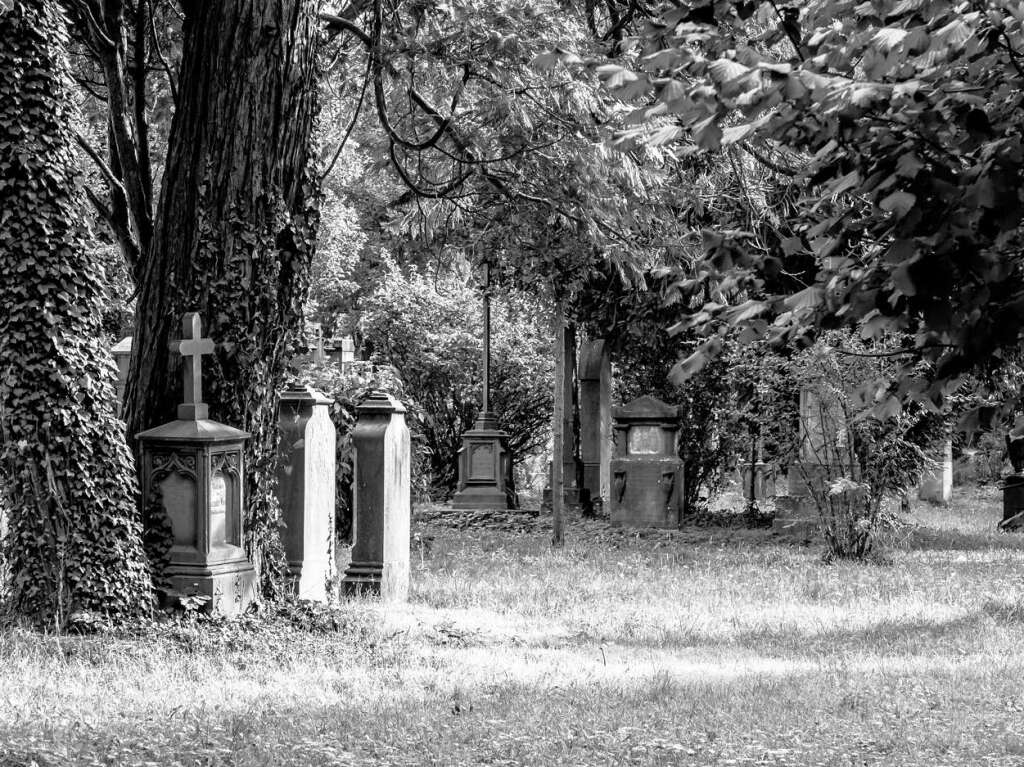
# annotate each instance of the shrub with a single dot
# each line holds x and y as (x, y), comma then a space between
(858, 459)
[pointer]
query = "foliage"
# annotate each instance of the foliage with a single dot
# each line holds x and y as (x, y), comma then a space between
(348, 386)
(73, 542)
(851, 460)
(431, 332)
(901, 125)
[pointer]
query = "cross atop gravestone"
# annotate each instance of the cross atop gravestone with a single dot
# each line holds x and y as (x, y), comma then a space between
(192, 347)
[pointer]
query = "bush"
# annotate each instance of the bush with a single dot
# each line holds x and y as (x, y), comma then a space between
(858, 459)
(431, 331)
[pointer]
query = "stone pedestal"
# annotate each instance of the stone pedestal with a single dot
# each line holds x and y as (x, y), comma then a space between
(937, 486)
(381, 501)
(796, 513)
(485, 468)
(1013, 503)
(647, 474)
(595, 384)
(757, 480)
(192, 472)
(306, 490)
(193, 483)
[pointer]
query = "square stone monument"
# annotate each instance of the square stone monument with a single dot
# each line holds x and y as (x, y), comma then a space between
(647, 473)
(306, 489)
(381, 501)
(193, 471)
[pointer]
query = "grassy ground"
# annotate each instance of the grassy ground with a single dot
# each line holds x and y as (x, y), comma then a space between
(701, 647)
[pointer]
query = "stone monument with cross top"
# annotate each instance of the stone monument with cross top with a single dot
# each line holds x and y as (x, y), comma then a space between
(192, 478)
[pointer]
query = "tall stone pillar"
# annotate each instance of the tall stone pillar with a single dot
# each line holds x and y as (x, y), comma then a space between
(306, 489)
(821, 417)
(937, 485)
(595, 394)
(381, 501)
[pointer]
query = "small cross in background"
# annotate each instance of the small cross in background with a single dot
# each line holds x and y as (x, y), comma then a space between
(192, 347)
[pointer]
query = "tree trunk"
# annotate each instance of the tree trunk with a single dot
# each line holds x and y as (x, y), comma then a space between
(558, 433)
(74, 538)
(235, 232)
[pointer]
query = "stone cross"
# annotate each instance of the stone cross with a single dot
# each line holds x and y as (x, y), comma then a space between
(192, 347)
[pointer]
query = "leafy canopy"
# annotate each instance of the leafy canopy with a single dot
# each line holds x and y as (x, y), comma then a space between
(900, 122)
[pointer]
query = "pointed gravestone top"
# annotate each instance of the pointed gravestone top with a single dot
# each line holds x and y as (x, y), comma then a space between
(192, 347)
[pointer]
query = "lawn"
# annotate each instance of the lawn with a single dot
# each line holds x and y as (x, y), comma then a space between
(703, 646)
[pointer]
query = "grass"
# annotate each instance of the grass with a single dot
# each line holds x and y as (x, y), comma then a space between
(710, 646)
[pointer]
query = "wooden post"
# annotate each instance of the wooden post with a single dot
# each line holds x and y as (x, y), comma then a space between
(558, 431)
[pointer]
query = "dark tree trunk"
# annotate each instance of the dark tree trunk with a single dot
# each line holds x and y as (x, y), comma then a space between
(235, 231)
(74, 540)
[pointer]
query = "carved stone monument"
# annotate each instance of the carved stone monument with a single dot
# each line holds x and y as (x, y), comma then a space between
(821, 419)
(381, 501)
(193, 473)
(485, 463)
(647, 473)
(1013, 483)
(595, 383)
(306, 489)
(937, 485)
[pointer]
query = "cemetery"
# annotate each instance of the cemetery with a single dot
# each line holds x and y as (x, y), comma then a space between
(512, 384)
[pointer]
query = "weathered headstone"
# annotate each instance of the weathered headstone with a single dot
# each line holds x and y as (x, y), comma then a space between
(595, 384)
(647, 474)
(306, 489)
(1013, 483)
(821, 419)
(122, 352)
(193, 476)
(381, 501)
(937, 484)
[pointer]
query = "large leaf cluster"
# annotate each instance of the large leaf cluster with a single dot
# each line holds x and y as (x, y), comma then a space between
(902, 121)
(74, 536)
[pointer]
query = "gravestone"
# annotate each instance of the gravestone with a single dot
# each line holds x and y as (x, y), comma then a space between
(937, 484)
(193, 472)
(647, 474)
(306, 489)
(1013, 483)
(381, 501)
(757, 480)
(595, 384)
(821, 418)
(122, 352)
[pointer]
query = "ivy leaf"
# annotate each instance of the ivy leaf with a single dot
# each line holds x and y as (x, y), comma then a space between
(898, 203)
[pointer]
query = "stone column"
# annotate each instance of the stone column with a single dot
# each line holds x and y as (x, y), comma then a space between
(122, 352)
(381, 501)
(306, 489)
(595, 376)
(937, 485)
(820, 419)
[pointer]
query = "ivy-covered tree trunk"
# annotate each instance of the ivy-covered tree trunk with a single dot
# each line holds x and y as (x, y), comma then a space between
(235, 231)
(74, 535)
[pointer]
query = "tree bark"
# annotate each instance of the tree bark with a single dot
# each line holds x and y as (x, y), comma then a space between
(558, 433)
(235, 232)
(74, 543)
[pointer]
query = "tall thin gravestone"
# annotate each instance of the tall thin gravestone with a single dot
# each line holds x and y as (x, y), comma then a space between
(595, 384)
(306, 489)
(381, 501)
